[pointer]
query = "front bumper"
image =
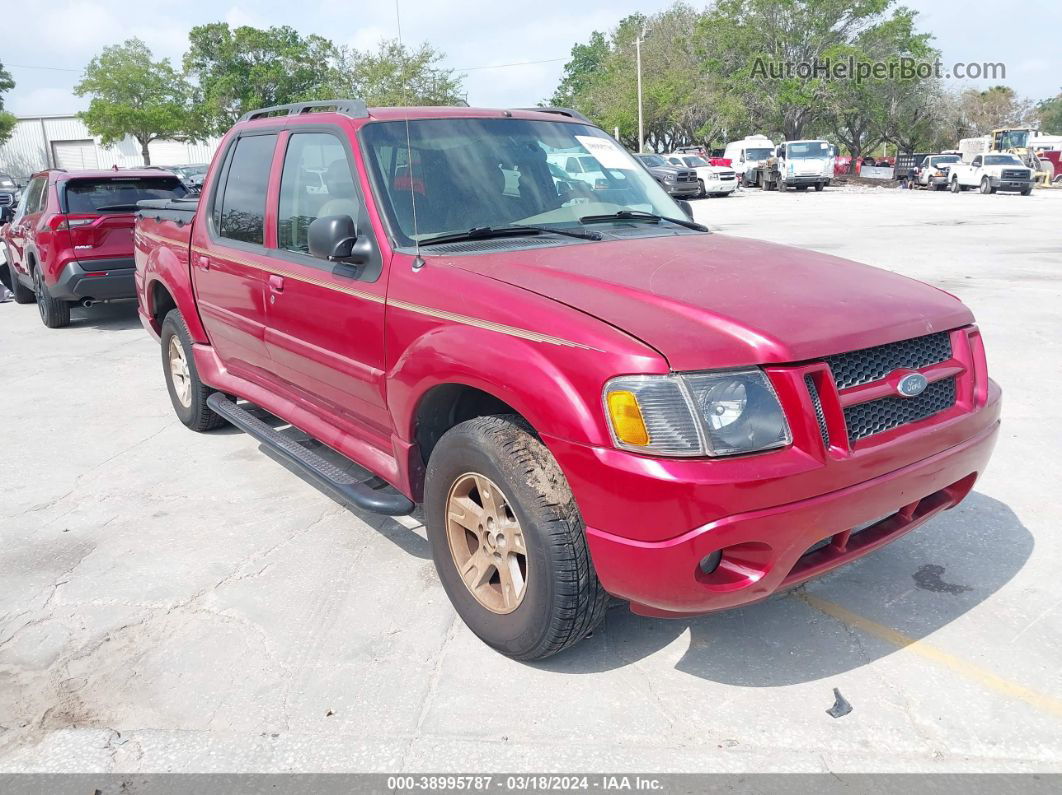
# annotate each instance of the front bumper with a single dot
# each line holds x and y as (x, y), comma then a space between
(102, 280)
(720, 187)
(763, 512)
(805, 179)
(1010, 184)
(682, 188)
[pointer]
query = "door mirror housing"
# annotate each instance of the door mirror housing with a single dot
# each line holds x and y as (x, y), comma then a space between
(333, 238)
(686, 207)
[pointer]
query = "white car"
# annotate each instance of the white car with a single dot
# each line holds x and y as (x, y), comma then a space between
(578, 166)
(715, 180)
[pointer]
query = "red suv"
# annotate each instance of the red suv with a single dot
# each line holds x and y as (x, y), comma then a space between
(590, 393)
(71, 239)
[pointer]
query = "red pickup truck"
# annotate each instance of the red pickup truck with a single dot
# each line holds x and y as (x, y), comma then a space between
(589, 393)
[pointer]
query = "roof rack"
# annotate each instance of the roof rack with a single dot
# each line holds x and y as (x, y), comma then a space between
(354, 108)
(571, 114)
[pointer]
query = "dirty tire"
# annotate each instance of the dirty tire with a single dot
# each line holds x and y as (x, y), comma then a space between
(955, 187)
(563, 600)
(986, 186)
(196, 415)
(55, 313)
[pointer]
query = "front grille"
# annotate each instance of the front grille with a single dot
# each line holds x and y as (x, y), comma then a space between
(817, 403)
(1015, 173)
(866, 419)
(6, 199)
(873, 364)
(724, 175)
(686, 176)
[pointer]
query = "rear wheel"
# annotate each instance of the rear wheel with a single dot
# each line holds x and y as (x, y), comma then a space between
(188, 394)
(55, 313)
(508, 541)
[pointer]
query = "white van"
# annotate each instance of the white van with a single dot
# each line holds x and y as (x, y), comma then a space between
(748, 154)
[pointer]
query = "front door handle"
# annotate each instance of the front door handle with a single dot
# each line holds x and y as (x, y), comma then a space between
(276, 283)
(204, 263)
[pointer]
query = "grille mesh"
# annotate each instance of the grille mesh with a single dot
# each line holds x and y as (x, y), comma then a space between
(866, 419)
(817, 403)
(873, 364)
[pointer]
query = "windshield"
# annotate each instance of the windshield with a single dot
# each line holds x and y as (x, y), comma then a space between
(1002, 160)
(694, 162)
(1013, 139)
(938, 161)
(473, 173)
(118, 194)
(757, 154)
(653, 161)
(803, 150)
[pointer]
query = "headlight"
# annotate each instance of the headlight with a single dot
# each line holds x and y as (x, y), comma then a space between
(669, 177)
(696, 414)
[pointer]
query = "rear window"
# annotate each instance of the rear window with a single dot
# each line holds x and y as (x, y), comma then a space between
(118, 194)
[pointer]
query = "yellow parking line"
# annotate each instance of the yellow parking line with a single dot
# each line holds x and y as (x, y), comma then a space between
(1040, 701)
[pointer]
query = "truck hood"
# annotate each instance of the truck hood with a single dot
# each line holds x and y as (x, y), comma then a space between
(709, 301)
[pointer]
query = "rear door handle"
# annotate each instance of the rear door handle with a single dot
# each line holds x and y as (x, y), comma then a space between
(276, 283)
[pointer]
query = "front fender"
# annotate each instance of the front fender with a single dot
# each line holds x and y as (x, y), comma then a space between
(556, 394)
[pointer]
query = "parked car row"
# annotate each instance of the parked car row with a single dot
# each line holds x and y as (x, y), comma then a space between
(504, 316)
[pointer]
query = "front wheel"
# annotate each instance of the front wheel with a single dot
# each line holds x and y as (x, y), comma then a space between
(955, 187)
(1026, 191)
(703, 192)
(508, 541)
(819, 186)
(986, 186)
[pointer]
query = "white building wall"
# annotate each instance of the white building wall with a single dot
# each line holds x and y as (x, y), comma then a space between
(31, 147)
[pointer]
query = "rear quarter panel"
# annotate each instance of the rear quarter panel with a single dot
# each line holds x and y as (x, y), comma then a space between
(162, 256)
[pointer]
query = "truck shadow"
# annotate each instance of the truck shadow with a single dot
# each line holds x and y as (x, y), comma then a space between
(388, 527)
(914, 586)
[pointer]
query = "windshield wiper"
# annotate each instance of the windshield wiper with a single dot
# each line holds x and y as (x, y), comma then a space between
(107, 207)
(487, 232)
(638, 215)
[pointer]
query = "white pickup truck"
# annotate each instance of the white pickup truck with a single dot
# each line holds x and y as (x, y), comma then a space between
(992, 172)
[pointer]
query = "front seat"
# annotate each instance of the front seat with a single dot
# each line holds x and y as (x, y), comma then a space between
(342, 199)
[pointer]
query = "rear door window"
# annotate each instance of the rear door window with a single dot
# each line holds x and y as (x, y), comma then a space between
(117, 194)
(243, 203)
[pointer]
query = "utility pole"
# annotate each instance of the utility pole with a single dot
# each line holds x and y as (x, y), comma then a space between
(641, 126)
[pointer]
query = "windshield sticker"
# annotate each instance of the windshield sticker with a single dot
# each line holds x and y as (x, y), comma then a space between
(607, 153)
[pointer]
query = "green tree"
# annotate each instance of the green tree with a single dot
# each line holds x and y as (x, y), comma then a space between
(248, 68)
(1049, 114)
(7, 120)
(758, 45)
(394, 74)
(995, 107)
(133, 94)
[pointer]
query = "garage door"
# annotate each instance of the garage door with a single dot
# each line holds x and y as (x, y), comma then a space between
(73, 155)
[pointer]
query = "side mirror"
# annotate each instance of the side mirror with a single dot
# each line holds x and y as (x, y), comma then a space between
(332, 237)
(686, 207)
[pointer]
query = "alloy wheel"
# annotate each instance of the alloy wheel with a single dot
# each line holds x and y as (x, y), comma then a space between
(486, 543)
(179, 374)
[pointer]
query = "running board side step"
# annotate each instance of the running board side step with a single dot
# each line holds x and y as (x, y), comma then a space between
(317, 469)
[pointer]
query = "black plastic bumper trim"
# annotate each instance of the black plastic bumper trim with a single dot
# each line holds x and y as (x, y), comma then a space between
(316, 468)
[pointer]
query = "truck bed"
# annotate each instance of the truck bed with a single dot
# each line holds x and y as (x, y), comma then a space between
(181, 211)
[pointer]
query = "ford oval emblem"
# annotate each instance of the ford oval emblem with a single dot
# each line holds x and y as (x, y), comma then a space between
(912, 385)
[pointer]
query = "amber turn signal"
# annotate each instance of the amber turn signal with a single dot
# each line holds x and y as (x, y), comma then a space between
(626, 418)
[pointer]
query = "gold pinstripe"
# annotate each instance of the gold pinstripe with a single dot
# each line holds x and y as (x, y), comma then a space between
(441, 314)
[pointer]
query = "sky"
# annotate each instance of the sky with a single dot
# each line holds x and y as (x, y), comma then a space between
(49, 43)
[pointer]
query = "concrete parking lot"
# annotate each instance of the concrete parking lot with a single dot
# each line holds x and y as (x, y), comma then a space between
(171, 601)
